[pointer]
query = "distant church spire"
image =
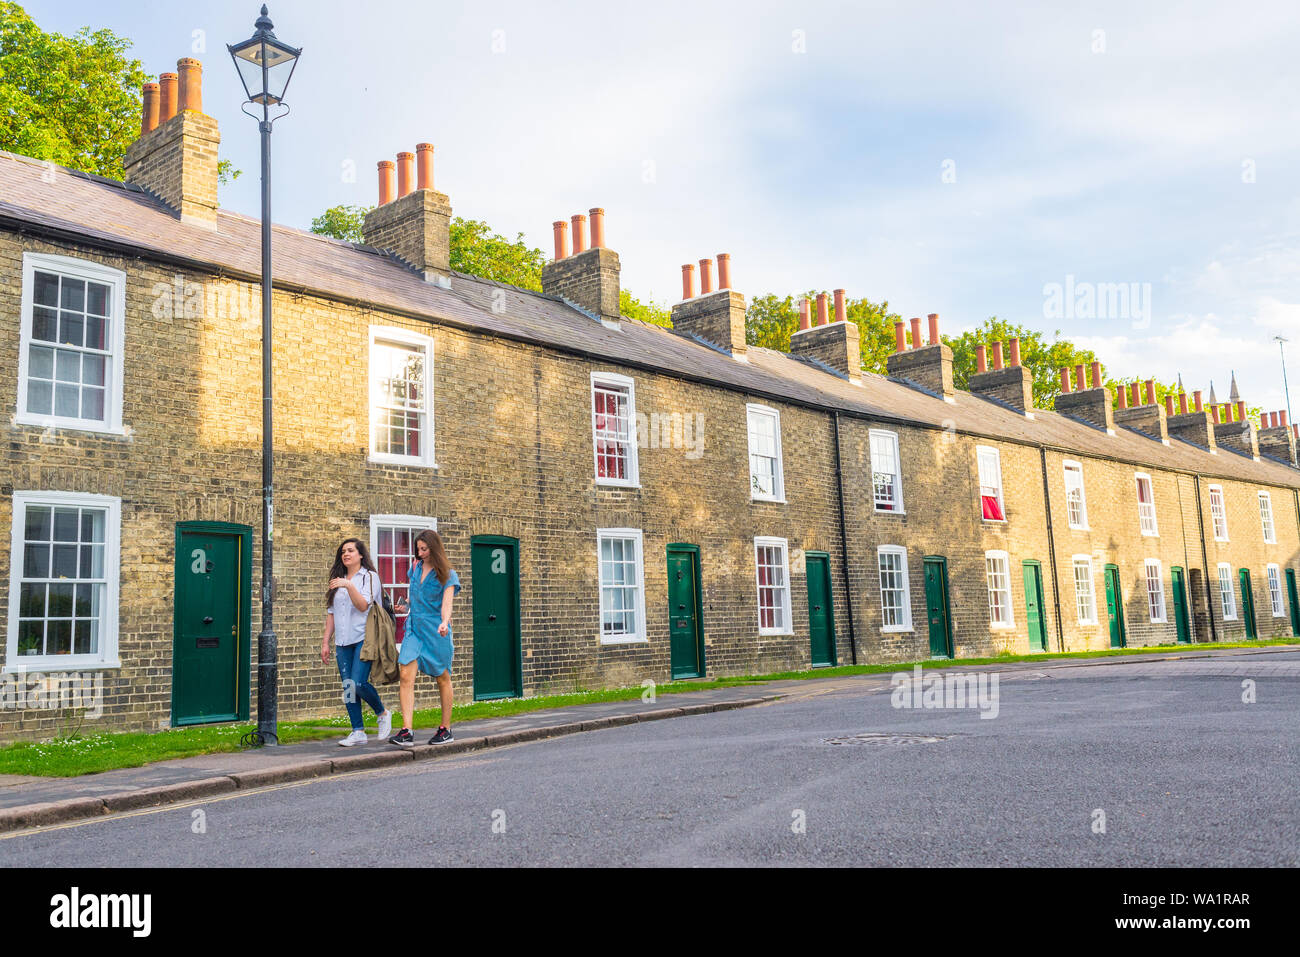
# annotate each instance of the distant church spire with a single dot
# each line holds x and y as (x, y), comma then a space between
(1233, 394)
(1213, 400)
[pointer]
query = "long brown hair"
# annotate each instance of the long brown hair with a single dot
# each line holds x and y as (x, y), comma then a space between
(441, 565)
(340, 570)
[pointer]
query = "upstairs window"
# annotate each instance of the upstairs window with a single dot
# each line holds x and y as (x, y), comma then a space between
(990, 473)
(1146, 506)
(71, 344)
(886, 472)
(766, 481)
(1155, 590)
(1275, 591)
(613, 417)
(1076, 505)
(1266, 518)
(401, 400)
(1227, 600)
(1217, 513)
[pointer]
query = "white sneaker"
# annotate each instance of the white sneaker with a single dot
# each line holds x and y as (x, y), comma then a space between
(355, 738)
(385, 722)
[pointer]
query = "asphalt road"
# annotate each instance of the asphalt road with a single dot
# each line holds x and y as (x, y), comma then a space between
(1185, 772)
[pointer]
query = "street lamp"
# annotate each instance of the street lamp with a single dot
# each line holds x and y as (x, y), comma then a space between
(265, 66)
(1281, 345)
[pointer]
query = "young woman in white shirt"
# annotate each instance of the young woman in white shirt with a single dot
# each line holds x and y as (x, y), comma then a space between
(354, 584)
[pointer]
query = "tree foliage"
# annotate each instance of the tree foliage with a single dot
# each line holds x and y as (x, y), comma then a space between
(477, 250)
(73, 100)
(648, 311)
(341, 222)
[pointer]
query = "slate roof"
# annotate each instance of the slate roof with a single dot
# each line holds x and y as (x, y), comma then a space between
(101, 212)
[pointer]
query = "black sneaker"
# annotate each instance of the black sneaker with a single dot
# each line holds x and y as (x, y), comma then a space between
(404, 738)
(442, 737)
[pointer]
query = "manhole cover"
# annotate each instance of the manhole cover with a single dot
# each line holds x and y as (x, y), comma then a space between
(876, 737)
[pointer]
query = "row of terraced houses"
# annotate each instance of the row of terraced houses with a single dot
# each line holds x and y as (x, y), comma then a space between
(623, 501)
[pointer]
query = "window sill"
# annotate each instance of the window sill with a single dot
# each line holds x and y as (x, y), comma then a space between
(1008, 626)
(401, 460)
(774, 633)
(889, 511)
(1087, 624)
(623, 640)
(994, 521)
(767, 498)
(1080, 528)
(68, 663)
(71, 425)
(607, 483)
(896, 629)
(1150, 534)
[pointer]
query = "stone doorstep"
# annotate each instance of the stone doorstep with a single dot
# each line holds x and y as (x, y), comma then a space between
(27, 816)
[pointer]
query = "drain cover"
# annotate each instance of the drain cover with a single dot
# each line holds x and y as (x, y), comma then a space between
(896, 737)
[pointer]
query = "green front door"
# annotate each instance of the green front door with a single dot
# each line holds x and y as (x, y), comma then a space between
(1115, 606)
(494, 583)
(821, 615)
(210, 641)
(1034, 606)
(685, 626)
(1180, 605)
(1247, 603)
(936, 607)
(1295, 601)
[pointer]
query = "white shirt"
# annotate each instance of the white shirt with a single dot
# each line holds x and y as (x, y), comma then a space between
(349, 620)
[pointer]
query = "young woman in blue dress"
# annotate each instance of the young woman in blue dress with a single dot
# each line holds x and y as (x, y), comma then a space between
(427, 645)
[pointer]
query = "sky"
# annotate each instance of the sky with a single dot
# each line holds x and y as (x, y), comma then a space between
(1125, 174)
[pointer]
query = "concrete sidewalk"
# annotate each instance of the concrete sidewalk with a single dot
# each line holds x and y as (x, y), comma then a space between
(34, 801)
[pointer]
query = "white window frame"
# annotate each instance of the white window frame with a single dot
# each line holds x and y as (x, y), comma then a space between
(1274, 575)
(1073, 472)
(1147, 515)
(763, 411)
(994, 456)
(1219, 515)
(616, 381)
(115, 279)
(1010, 621)
(107, 656)
(1156, 598)
(405, 522)
(1075, 563)
(783, 544)
(1266, 518)
(1227, 597)
(641, 634)
(906, 609)
(380, 335)
(892, 439)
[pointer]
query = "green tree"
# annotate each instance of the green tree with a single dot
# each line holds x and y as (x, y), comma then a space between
(477, 250)
(648, 311)
(771, 320)
(74, 100)
(1042, 357)
(341, 222)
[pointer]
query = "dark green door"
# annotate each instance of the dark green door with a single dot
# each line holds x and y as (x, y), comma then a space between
(1034, 606)
(685, 627)
(1180, 605)
(936, 607)
(821, 617)
(1247, 603)
(1295, 601)
(494, 579)
(210, 651)
(1115, 606)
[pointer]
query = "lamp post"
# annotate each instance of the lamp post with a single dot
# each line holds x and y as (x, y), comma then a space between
(1281, 345)
(265, 66)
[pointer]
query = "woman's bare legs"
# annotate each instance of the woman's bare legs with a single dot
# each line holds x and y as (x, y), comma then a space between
(406, 694)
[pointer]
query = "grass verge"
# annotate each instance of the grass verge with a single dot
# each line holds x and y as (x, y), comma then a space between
(89, 754)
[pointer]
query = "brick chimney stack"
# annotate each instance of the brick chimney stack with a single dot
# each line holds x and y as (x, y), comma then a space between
(1278, 440)
(835, 344)
(1011, 384)
(929, 367)
(1240, 435)
(175, 156)
(1149, 417)
(412, 220)
(1094, 406)
(717, 317)
(589, 277)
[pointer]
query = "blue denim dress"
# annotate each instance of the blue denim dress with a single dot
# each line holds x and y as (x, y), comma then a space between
(422, 642)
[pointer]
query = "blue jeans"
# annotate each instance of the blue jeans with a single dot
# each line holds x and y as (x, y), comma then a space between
(356, 683)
